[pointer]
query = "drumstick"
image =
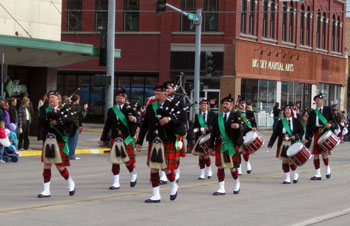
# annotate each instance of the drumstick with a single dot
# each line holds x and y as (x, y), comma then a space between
(325, 126)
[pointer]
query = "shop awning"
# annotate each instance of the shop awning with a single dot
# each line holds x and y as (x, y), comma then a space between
(45, 53)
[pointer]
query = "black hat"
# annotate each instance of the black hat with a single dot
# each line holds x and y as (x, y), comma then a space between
(54, 92)
(320, 95)
(240, 100)
(290, 106)
(204, 101)
(171, 83)
(228, 99)
(160, 87)
(120, 92)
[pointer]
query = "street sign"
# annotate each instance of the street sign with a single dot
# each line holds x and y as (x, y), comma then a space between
(192, 16)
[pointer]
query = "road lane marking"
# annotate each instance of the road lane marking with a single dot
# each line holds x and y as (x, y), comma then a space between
(326, 217)
(117, 196)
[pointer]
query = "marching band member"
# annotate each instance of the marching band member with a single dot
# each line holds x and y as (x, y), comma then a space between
(123, 121)
(226, 136)
(288, 129)
(161, 125)
(171, 87)
(57, 124)
(202, 125)
(320, 120)
(249, 124)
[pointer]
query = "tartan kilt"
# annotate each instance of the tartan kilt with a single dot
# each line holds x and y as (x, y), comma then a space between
(170, 152)
(236, 158)
(129, 150)
(65, 158)
(182, 151)
(317, 149)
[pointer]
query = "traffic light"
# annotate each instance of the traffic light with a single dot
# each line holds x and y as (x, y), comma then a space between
(210, 63)
(160, 6)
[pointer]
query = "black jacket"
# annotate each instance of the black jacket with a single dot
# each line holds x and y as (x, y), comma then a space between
(13, 114)
(297, 131)
(114, 124)
(65, 123)
(235, 135)
(250, 116)
(210, 122)
(151, 123)
(311, 124)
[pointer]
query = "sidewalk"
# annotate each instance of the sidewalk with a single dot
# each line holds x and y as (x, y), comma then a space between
(89, 138)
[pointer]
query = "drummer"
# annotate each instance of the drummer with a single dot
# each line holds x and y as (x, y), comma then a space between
(202, 125)
(249, 124)
(288, 131)
(320, 120)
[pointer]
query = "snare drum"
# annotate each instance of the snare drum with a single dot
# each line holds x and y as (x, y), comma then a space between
(252, 141)
(328, 141)
(298, 154)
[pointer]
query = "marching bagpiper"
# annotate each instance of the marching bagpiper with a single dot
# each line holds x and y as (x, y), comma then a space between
(226, 136)
(123, 121)
(249, 124)
(161, 124)
(57, 124)
(202, 126)
(320, 120)
(176, 100)
(288, 131)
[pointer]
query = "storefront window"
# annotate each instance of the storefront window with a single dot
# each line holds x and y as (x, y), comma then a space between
(294, 92)
(131, 15)
(330, 92)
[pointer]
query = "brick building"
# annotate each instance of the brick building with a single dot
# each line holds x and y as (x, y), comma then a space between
(265, 50)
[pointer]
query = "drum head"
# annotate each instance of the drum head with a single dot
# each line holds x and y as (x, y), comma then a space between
(294, 149)
(249, 137)
(324, 137)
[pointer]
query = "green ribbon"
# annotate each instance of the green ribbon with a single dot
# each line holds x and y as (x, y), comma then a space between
(123, 119)
(228, 145)
(287, 127)
(155, 108)
(64, 138)
(246, 121)
(201, 121)
(321, 117)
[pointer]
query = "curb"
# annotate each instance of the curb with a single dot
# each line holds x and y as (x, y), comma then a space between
(93, 130)
(77, 151)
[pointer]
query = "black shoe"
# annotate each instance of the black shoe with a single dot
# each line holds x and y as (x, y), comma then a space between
(328, 176)
(113, 188)
(132, 184)
(163, 182)
(151, 201)
(209, 177)
(201, 178)
(173, 197)
(295, 181)
(249, 171)
(286, 182)
(236, 192)
(71, 193)
(44, 196)
(177, 181)
(316, 178)
(218, 193)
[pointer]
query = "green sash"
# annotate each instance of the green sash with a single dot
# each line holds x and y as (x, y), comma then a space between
(201, 121)
(246, 121)
(321, 117)
(123, 119)
(64, 138)
(286, 126)
(228, 143)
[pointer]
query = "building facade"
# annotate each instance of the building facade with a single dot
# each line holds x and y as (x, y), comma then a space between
(265, 50)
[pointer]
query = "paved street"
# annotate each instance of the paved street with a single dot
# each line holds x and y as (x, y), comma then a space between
(263, 199)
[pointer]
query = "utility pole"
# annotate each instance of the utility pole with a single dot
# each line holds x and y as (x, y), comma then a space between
(110, 56)
(197, 20)
(2, 74)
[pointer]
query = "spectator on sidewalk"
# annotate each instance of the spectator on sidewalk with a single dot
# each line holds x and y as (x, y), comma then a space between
(2, 101)
(7, 119)
(42, 101)
(4, 142)
(13, 111)
(11, 151)
(79, 115)
(24, 119)
(276, 111)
